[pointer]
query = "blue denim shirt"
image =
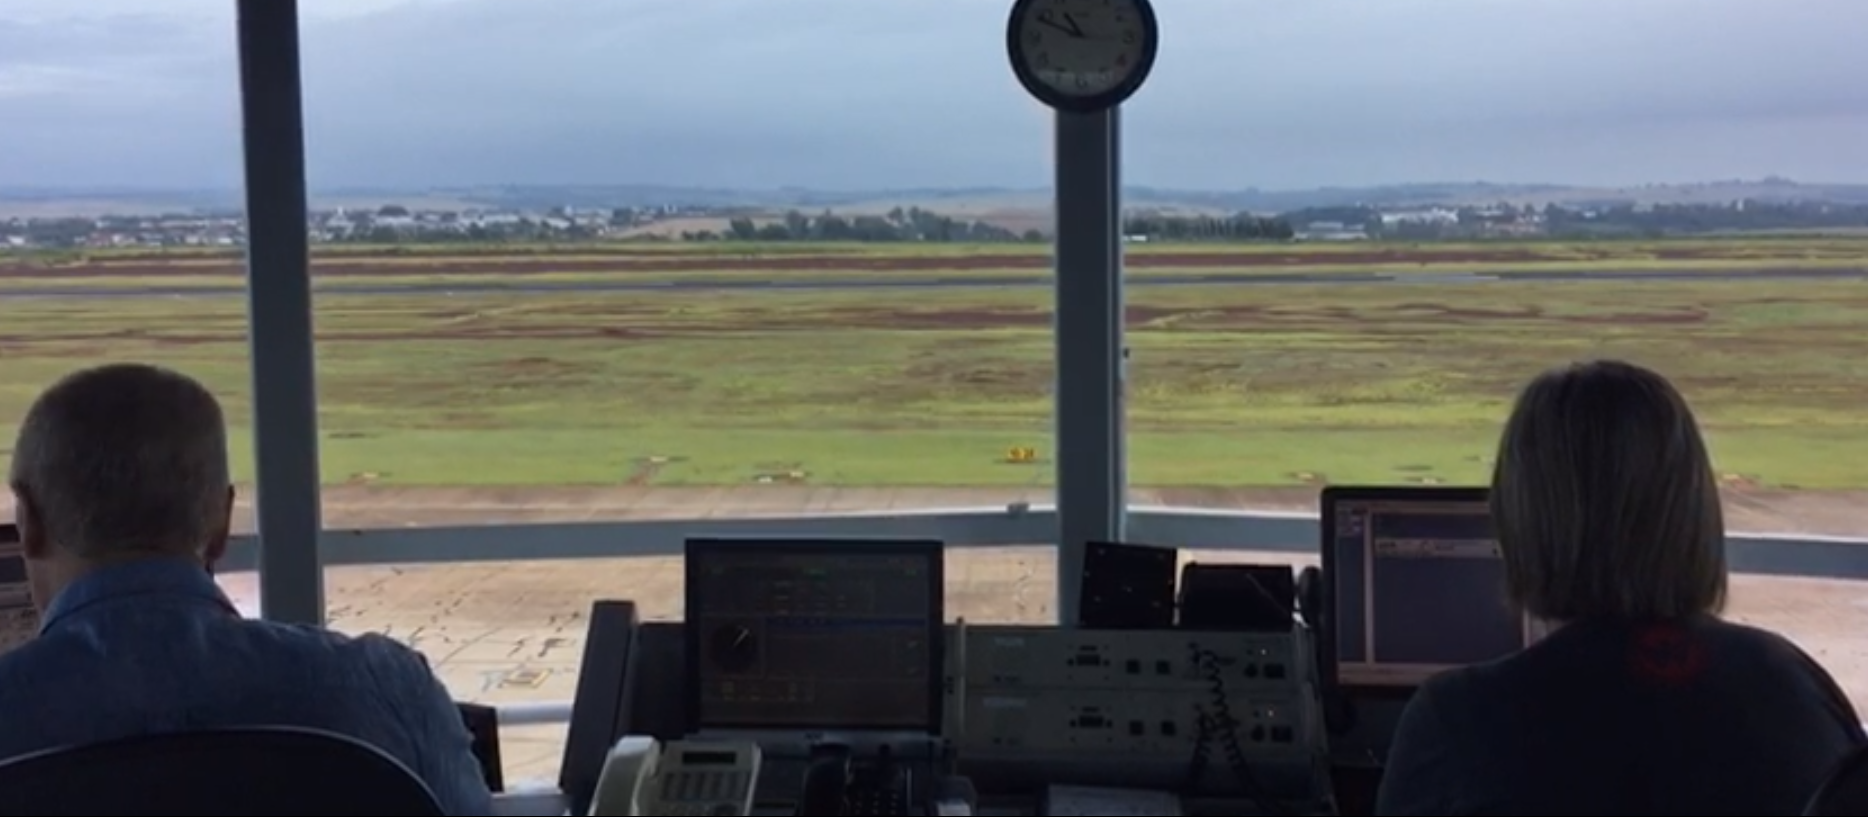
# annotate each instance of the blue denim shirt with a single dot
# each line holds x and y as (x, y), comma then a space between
(154, 646)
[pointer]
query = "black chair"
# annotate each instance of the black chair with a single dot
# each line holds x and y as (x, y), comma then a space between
(260, 772)
(1845, 792)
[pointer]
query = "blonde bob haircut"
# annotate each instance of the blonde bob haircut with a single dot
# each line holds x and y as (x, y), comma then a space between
(1605, 499)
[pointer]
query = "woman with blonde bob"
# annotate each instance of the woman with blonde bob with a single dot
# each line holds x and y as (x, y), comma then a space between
(1640, 701)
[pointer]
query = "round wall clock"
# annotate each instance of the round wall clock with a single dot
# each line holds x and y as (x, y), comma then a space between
(1082, 56)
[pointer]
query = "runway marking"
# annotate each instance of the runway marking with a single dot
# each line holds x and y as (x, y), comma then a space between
(524, 678)
(1436, 278)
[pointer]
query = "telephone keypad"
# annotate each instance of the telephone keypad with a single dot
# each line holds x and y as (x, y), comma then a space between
(702, 794)
(876, 801)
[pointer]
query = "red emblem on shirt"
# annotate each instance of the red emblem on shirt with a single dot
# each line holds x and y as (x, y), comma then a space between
(1667, 654)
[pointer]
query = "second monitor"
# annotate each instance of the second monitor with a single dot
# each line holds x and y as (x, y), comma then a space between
(815, 635)
(19, 619)
(1416, 584)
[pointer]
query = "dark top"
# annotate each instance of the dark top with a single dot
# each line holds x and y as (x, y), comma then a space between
(153, 646)
(1699, 717)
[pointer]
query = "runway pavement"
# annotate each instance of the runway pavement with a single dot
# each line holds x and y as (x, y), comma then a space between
(509, 285)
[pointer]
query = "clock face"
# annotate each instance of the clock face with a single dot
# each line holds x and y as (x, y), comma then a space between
(1084, 48)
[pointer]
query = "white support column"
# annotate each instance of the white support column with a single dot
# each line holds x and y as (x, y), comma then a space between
(1091, 484)
(285, 399)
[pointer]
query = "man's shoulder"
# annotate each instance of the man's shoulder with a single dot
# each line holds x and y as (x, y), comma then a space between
(25, 657)
(378, 656)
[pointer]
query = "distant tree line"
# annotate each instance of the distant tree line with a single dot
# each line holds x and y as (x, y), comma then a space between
(1688, 219)
(396, 224)
(521, 231)
(51, 232)
(915, 224)
(1605, 220)
(898, 224)
(1241, 227)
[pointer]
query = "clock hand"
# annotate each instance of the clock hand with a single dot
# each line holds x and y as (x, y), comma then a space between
(1075, 30)
(1071, 29)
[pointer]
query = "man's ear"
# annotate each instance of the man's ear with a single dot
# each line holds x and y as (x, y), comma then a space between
(216, 545)
(31, 529)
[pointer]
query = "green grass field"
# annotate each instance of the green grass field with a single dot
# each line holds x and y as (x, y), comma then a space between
(1229, 385)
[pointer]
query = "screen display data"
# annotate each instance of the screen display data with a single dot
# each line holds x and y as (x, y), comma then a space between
(826, 640)
(19, 619)
(1419, 588)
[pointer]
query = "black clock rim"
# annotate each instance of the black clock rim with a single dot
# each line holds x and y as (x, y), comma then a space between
(1093, 103)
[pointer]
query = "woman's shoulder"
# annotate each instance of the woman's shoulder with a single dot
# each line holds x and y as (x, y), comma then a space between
(1466, 691)
(1668, 653)
(1748, 637)
(1591, 654)
(1733, 642)
(1767, 653)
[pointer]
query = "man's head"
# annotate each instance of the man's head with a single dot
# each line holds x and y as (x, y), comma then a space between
(120, 462)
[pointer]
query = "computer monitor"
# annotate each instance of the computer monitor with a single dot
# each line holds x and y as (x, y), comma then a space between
(814, 635)
(1416, 586)
(19, 619)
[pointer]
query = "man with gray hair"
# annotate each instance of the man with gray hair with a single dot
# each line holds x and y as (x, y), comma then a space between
(122, 493)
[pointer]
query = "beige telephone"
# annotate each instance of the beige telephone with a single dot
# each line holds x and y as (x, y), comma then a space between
(686, 777)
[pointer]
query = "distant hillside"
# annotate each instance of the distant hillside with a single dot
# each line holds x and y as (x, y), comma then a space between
(981, 200)
(995, 203)
(985, 200)
(1772, 190)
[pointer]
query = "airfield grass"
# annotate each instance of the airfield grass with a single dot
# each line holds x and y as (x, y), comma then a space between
(1228, 386)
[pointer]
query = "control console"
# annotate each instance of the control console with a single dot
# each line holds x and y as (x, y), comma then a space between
(1226, 712)
(831, 659)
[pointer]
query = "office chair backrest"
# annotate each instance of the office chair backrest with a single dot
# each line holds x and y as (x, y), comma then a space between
(259, 772)
(1846, 790)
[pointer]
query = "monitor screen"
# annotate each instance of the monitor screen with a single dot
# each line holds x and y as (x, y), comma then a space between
(12, 569)
(815, 635)
(1417, 585)
(19, 619)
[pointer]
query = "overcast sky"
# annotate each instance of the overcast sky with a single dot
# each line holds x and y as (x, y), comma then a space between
(896, 93)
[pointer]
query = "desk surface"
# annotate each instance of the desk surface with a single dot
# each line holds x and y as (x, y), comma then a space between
(551, 803)
(545, 803)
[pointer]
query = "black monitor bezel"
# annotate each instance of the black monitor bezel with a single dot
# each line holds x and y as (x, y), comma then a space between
(1328, 665)
(10, 535)
(932, 551)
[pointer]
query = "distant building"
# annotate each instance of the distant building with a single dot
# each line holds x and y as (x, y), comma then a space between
(1430, 215)
(1331, 231)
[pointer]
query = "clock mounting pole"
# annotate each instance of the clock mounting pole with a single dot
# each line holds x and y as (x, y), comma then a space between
(1083, 59)
(1090, 459)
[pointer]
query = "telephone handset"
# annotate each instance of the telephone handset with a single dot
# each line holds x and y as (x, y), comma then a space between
(686, 777)
(836, 784)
